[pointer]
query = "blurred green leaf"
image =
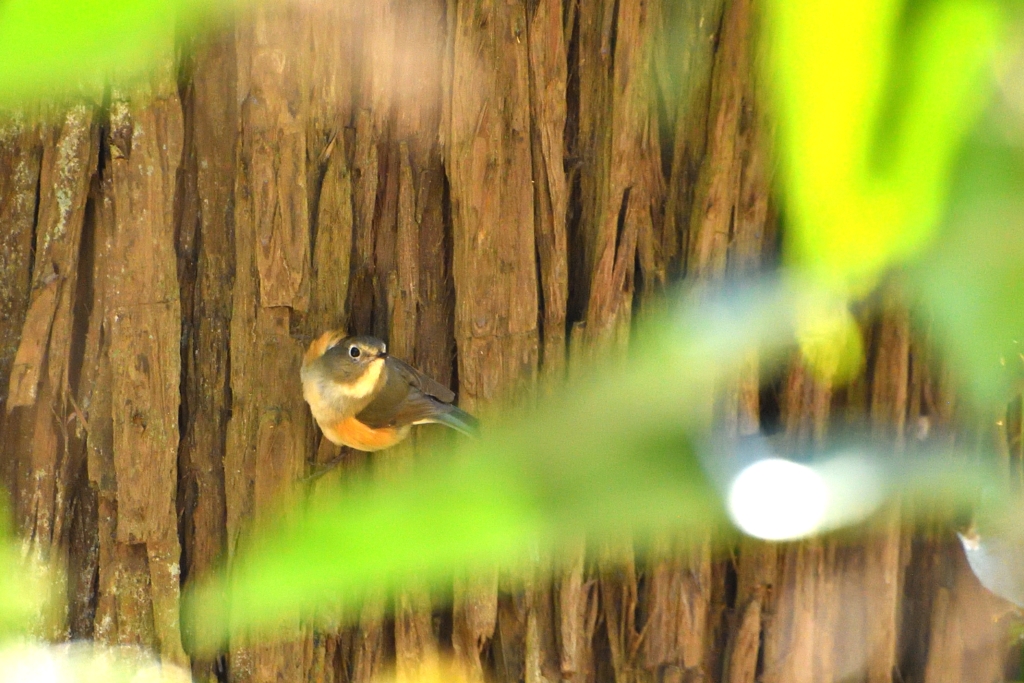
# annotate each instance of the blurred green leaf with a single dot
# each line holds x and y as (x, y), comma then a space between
(25, 584)
(971, 281)
(868, 139)
(59, 47)
(829, 339)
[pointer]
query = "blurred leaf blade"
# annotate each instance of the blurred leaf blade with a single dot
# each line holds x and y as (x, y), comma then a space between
(26, 587)
(951, 60)
(378, 535)
(970, 281)
(851, 215)
(828, 62)
(55, 47)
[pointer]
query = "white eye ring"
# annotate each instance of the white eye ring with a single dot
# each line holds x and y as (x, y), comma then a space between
(354, 352)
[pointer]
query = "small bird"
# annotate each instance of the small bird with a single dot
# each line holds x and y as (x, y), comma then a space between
(363, 398)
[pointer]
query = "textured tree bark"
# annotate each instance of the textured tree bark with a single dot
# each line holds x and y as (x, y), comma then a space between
(21, 149)
(21, 152)
(884, 567)
(490, 170)
(481, 185)
(548, 81)
(211, 131)
(44, 454)
(144, 324)
(421, 300)
(267, 433)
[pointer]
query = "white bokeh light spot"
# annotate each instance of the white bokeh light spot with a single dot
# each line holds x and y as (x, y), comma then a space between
(777, 499)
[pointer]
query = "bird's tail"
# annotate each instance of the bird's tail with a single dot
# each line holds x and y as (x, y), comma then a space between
(458, 419)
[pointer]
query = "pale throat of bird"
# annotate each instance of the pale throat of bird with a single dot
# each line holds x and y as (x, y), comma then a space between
(365, 385)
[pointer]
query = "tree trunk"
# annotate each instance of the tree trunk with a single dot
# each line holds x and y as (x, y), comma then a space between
(495, 189)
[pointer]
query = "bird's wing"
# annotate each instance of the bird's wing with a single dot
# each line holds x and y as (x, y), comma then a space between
(388, 410)
(413, 377)
(407, 397)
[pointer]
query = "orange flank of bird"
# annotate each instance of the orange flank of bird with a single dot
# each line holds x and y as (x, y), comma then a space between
(353, 433)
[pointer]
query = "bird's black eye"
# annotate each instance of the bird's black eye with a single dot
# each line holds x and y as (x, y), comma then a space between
(354, 351)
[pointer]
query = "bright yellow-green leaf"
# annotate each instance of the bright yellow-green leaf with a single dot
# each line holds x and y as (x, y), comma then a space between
(971, 279)
(63, 47)
(829, 339)
(873, 102)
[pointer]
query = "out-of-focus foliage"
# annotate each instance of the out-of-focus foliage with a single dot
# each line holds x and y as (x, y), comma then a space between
(972, 279)
(828, 335)
(62, 47)
(873, 99)
(878, 106)
(24, 586)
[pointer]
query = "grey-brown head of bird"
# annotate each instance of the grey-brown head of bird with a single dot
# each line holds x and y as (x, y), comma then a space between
(343, 370)
(350, 359)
